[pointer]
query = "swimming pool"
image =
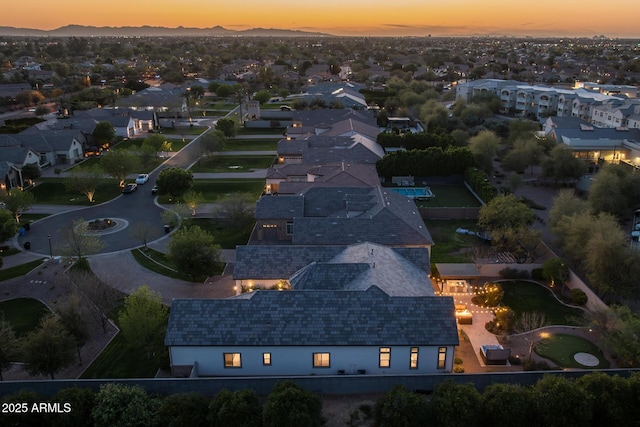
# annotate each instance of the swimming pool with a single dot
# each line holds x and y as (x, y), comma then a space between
(416, 193)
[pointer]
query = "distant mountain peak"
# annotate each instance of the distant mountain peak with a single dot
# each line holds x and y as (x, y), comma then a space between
(76, 30)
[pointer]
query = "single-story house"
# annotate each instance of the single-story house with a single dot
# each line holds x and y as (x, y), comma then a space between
(312, 333)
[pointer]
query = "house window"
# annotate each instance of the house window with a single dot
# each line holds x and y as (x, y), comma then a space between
(289, 228)
(266, 359)
(232, 360)
(413, 360)
(385, 357)
(442, 357)
(321, 360)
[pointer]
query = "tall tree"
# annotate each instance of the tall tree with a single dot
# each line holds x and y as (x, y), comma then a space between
(102, 297)
(192, 199)
(235, 210)
(84, 181)
(73, 317)
(8, 226)
(562, 165)
(103, 133)
(49, 348)
(484, 147)
(194, 252)
(174, 181)
(143, 320)
(79, 242)
(157, 142)
(18, 202)
(212, 141)
(9, 346)
(227, 126)
(119, 164)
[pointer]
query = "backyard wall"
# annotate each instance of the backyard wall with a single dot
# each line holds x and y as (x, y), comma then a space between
(321, 385)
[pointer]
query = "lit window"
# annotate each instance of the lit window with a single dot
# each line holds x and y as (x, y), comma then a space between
(266, 359)
(442, 357)
(321, 360)
(385, 357)
(413, 361)
(232, 360)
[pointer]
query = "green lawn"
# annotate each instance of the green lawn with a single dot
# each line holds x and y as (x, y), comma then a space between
(561, 349)
(226, 237)
(183, 130)
(19, 270)
(523, 296)
(119, 360)
(157, 262)
(6, 251)
(24, 314)
(245, 131)
(217, 164)
(450, 196)
(449, 246)
(215, 189)
(51, 191)
(244, 144)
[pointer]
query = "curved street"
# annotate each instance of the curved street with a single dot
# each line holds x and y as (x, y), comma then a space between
(46, 236)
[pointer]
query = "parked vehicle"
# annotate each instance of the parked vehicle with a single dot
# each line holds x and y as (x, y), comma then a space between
(142, 178)
(129, 188)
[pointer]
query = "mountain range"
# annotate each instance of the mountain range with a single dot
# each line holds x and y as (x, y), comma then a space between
(149, 31)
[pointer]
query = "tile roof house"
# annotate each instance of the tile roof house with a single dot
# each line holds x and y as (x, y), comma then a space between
(54, 147)
(14, 157)
(312, 332)
(329, 149)
(342, 215)
(294, 178)
(399, 271)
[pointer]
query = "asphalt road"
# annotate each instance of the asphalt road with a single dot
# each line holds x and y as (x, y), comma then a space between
(128, 210)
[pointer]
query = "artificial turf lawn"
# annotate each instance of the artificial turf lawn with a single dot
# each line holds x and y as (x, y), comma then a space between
(561, 348)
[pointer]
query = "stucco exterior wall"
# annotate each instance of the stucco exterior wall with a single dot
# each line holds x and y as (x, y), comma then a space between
(298, 360)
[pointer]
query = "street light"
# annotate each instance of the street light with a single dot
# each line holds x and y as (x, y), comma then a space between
(50, 250)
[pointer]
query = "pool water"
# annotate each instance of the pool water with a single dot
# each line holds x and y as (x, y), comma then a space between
(418, 193)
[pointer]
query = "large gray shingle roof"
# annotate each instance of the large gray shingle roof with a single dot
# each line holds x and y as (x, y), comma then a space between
(313, 318)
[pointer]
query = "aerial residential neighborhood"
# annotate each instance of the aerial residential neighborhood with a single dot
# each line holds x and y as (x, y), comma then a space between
(361, 217)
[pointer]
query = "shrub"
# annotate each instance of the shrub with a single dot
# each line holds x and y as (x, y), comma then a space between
(516, 361)
(513, 273)
(490, 295)
(532, 365)
(458, 369)
(536, 274)
(457, 361)
(578, 297)
(401, 407)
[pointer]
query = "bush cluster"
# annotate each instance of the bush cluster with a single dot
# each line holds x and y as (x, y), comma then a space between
(578, 297)
(121, 405)
(513, 273)
(479, 182)
(592, 400)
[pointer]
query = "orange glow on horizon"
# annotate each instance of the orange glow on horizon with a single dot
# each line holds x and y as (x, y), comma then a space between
(357, 17)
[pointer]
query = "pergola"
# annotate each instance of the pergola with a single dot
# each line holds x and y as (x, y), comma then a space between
(456, 277)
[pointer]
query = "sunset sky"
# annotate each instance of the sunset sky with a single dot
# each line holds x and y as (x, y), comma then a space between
(344, 17)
